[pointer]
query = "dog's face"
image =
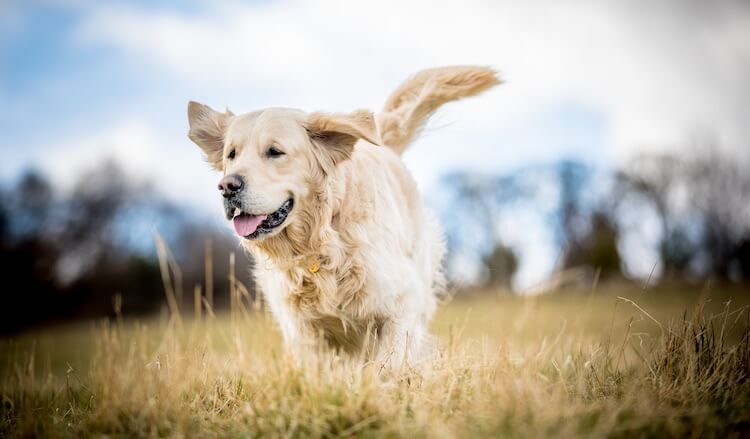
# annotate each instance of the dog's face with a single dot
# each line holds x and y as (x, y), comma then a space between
(273, 159)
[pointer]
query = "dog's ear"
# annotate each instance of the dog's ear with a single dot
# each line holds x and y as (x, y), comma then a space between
(335, 134)
(207, 128)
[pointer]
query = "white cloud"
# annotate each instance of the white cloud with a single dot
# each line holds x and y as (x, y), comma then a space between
(134, 145)
(130, 143)
(655, 72)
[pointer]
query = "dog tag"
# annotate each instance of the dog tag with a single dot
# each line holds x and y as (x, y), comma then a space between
(314, 267)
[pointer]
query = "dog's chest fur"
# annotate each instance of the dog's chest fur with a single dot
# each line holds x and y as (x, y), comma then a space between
(325, 302)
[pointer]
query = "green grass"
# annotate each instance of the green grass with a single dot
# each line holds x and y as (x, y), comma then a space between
(616, 362)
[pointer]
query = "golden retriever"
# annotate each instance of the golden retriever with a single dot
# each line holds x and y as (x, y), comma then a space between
(346, 254)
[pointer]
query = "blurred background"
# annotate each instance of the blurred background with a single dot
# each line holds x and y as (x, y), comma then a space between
(617, 150)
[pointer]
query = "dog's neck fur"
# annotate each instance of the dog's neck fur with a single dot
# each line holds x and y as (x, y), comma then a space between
(310, 238)
(304, 238)
(296, 244)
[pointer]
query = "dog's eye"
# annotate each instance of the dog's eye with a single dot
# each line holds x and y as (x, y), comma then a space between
(231, 154)
(274, 152)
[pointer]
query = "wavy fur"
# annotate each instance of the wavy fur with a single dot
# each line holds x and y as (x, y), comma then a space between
(410, 106)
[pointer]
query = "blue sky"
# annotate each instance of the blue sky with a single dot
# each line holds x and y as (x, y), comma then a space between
(598, 81)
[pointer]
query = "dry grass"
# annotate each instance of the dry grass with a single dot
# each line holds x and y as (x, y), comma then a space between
(578, 364)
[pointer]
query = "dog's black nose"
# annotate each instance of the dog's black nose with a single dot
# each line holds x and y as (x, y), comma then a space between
(230, 185)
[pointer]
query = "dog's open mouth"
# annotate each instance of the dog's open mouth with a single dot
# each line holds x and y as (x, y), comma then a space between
(252, 226)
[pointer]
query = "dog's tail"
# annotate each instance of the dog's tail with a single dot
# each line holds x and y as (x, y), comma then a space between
(409, 107)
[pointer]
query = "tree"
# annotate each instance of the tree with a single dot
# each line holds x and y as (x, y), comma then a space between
(719, 189)
(597, 249)
(654, 180)
(702, 199)
(475, 208)
(587, 235)
(572, 177)
(501, 264)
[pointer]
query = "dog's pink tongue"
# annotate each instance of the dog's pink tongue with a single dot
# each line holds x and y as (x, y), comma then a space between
(246, 224)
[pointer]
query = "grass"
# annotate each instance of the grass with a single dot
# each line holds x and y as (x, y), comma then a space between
(617, 362)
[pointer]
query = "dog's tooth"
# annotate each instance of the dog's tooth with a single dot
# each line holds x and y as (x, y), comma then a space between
(237, 211)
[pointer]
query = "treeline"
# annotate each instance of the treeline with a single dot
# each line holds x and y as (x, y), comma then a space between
(68, 254)
(692, 206)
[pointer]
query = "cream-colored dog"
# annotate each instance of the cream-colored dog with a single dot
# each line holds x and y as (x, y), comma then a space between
(345, 251)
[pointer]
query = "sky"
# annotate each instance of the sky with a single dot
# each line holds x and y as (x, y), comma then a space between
(598, 81)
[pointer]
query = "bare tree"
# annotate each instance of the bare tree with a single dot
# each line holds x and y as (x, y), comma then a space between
(719, 189)
(476, 205)
(702, 199)
(654, 180)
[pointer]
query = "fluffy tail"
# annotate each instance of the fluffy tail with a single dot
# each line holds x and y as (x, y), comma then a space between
(409, 107)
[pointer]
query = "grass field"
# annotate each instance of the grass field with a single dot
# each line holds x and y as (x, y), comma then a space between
(615, 362)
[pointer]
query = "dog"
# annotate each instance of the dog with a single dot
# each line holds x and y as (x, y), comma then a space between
(346, 254)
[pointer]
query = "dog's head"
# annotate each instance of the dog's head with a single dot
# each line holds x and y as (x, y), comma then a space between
(273, 159)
